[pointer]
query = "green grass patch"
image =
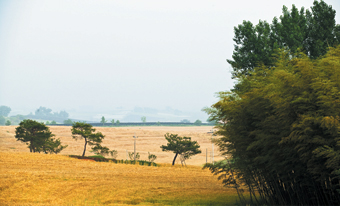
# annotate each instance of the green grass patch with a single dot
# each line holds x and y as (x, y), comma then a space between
(97, 156)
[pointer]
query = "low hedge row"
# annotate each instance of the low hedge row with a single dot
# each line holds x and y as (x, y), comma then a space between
(140, 162)
(103, 159)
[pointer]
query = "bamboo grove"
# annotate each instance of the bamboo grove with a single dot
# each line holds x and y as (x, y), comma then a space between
(281, 131)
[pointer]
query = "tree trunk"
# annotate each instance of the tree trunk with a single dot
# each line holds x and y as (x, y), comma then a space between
(84, 148)
(173, 162)
(33, 148)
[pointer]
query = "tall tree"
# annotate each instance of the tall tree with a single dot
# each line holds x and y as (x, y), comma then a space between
(38, 137)
(180, 146)
(103, 121)
(322, 31)
(311, 31)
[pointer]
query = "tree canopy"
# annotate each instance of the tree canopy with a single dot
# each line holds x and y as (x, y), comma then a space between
(180, 146)
(8, 122)
(282, 130)
(312, 31)
(38, 137)
(81, 130)
(198, 122)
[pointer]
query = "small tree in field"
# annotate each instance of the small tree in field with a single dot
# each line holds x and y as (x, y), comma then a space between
(8, 123)
(38, 137)
(132, 155)
(180, 146)
(198, 122)
(151, 157)
(113, 122)
(81, 130)
(103, 121)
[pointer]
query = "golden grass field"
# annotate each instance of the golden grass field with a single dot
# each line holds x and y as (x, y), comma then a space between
(39, 179)
(121, 139)
(44, 179)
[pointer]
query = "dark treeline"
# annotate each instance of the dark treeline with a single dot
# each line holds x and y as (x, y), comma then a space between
(281, 122)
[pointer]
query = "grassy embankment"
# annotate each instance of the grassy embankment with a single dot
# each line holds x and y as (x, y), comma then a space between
(39, 179)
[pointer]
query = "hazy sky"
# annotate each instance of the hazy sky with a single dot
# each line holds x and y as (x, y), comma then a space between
(65, 54)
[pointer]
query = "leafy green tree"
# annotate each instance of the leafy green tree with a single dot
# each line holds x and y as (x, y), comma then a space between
(198, 122)
(283, 129)
(113, 122)
(143, 119)
(47, 123)
(53, 122)
(117, 122)
(180, 146)
(38, 137)
(2, 120)
(68, 121)
(8, 123)
(311, 31)
(81, 130)
(103, 121)
(4, 110)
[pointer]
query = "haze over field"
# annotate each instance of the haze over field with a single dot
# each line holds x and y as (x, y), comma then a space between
(122, 59)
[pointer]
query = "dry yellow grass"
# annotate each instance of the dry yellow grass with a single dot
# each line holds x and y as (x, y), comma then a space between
(120, 138)
(40, 179)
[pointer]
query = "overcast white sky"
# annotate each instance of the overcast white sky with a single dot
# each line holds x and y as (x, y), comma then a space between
(65, 54)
